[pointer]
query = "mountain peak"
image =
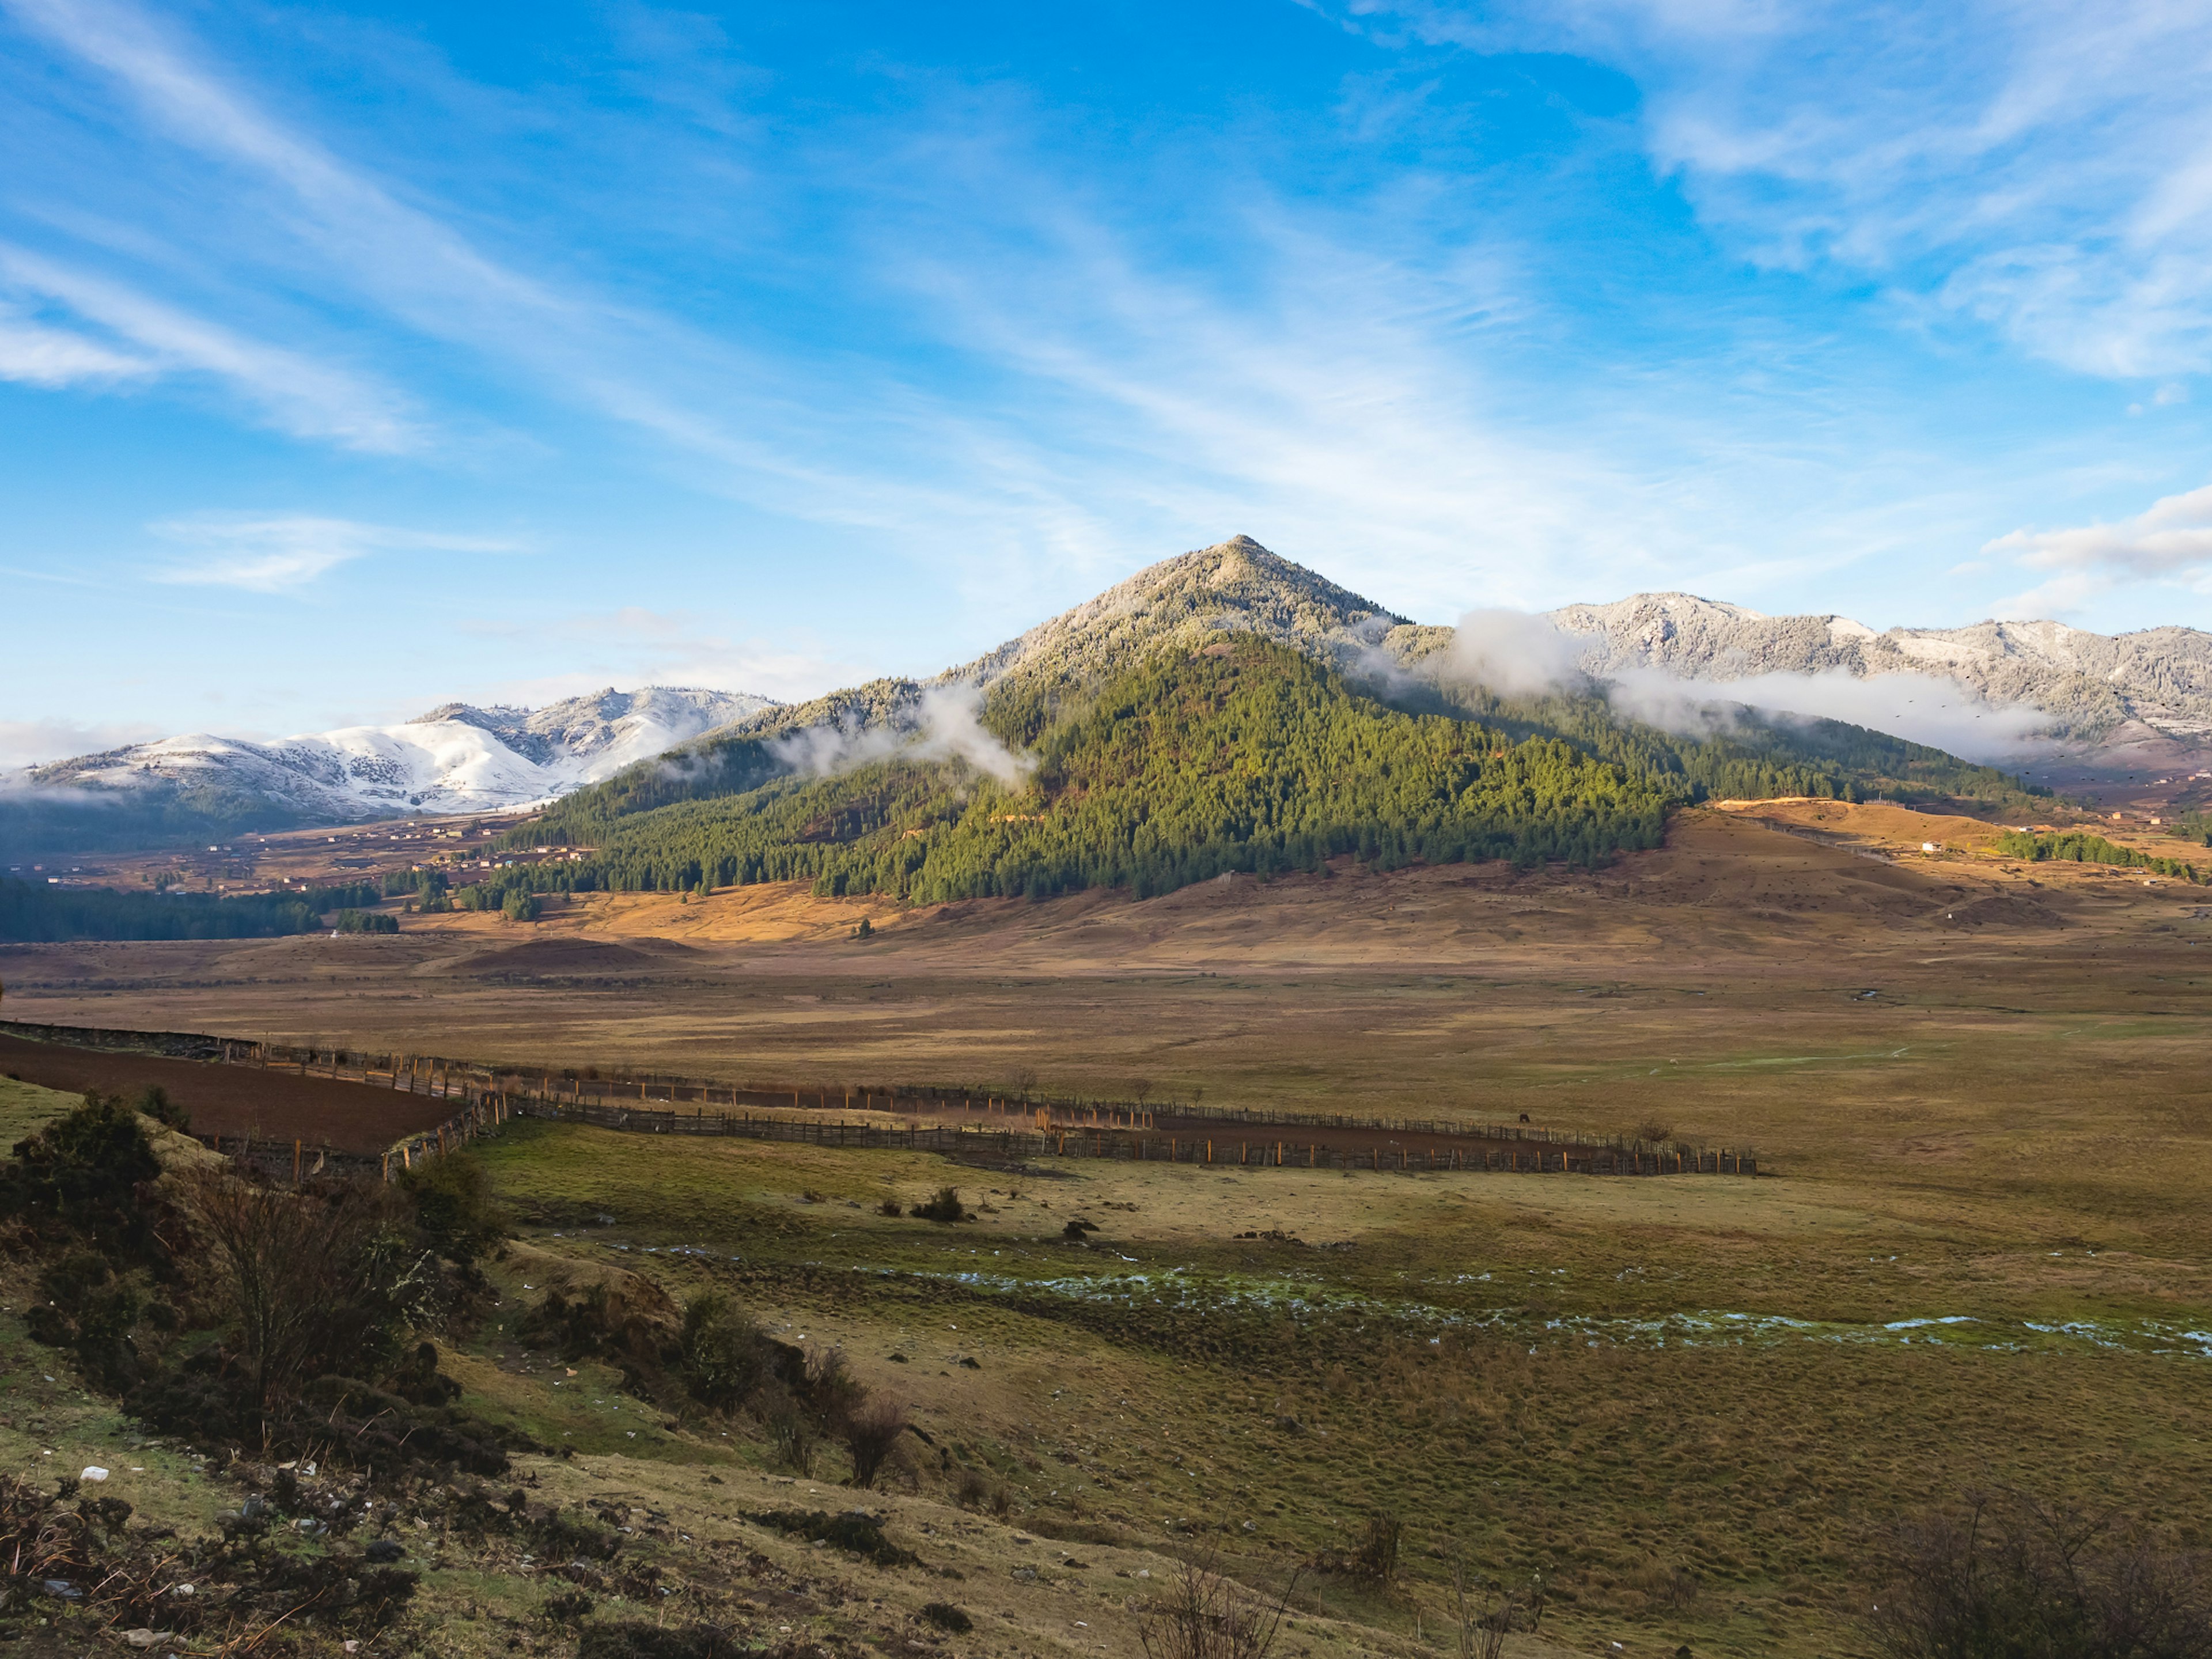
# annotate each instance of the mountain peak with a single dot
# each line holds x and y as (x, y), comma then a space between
(1237, 585)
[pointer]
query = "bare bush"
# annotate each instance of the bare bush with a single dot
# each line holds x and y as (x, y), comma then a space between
(1489, 1613)
(1655, 1131)
(315, 1281)
(1374, 1560)
(791, 1429)
(1201, 1614)
(2007, 1578)
(871, 1433)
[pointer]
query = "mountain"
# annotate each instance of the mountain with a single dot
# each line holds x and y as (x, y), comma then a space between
(1234, 587)
(1224, 711)
(456, 758)
(2093, 686)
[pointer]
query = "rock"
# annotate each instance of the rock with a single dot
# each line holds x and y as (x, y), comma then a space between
(142, 1638)
(385, 1550)
(93, 1472)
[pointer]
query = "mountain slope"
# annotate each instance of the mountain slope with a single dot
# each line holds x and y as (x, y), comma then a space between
(1240, 755)
(2090, 684)
(454, 759)
(1213, 753)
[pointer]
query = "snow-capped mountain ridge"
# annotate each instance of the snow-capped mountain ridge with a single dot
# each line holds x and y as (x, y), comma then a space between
(456, 758)
(2088, 683)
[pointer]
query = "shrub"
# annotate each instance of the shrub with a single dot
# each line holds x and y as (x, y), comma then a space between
(946, 1617)
(2008, 1578)
(871, 1433)
(454, 1209)
(78, 1178)
(623, 1322)
(1489, 1613)
(520, 906)
(792, 1430)
(943, 1205)
(154, 1103)
(568, 1607)
(722, 1357)
(891, 1207)
(1374, 1559)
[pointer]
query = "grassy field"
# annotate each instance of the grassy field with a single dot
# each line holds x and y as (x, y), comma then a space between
(1696, 1405)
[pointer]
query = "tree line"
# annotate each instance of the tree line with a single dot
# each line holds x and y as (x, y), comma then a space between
(2079, 847)
(35, 912)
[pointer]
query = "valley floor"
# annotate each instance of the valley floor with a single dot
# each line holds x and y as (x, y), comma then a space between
(1696, 1407)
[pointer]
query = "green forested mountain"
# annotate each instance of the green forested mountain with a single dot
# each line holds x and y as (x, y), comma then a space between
(1237, 754)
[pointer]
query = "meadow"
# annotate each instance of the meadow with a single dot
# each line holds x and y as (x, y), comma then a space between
(1695, 1408)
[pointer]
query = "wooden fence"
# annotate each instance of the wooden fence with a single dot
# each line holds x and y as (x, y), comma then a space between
(1017, 1126)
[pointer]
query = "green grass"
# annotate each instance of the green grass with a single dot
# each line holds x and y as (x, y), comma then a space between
(1557, 1423)
(26, 1109)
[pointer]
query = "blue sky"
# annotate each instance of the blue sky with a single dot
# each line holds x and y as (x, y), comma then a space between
(353, 358)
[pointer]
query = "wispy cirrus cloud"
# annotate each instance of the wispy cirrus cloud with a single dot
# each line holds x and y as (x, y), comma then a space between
(292, 390)
(2046, 168)
(34, 353)
(278, 555)
(2171, 541)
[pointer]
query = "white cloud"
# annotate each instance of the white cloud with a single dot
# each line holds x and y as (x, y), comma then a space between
(2045, 167)
(32, 354)
(1928, 709)
(1519, 655)
(39, 743)
(2172, 541)
(1514, 653)
(276, 554)
(303, 397)
(943, 724)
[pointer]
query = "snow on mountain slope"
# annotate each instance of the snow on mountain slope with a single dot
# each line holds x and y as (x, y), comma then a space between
(455, 759)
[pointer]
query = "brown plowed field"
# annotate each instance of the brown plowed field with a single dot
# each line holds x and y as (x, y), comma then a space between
(237, 1100)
